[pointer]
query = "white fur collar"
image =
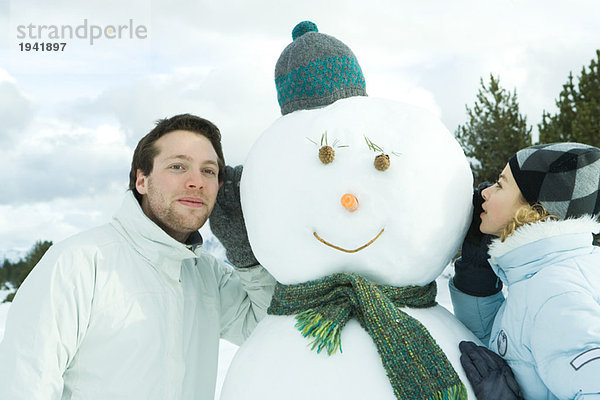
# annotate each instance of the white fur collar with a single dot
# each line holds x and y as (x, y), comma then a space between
(530, 233)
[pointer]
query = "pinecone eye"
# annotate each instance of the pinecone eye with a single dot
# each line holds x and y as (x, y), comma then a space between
(382, 162)
(326, 154)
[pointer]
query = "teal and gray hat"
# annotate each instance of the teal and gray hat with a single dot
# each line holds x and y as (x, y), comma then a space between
(562, 177)
(315, 70)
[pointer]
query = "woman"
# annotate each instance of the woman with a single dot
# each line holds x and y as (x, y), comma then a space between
(542, 212)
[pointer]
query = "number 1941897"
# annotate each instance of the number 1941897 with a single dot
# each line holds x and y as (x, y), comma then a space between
(42, 46)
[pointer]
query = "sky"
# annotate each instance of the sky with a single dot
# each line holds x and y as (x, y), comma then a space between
(71, 118)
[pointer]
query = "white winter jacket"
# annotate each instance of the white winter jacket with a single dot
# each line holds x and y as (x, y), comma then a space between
(124, 311)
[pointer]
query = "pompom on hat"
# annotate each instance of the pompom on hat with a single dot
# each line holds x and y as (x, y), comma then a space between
(562, 177)
(315, 70)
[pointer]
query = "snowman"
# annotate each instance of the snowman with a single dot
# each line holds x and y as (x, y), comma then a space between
(355, 205)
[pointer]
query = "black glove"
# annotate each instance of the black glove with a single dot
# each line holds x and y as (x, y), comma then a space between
(472, 272)
(489, 374)
(227, 221)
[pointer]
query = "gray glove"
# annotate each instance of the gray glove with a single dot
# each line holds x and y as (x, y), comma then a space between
(227, 221)
(489, 374)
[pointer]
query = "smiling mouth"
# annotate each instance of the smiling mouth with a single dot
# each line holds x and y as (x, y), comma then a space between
(346, 250)
(191, 202)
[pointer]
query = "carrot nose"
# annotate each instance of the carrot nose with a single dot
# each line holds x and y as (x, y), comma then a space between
(350, 202)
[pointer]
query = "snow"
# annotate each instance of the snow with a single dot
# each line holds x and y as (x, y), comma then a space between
(226, 353)
(3, 311)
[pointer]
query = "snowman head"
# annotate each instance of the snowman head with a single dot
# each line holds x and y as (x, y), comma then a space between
(347, 183)
(401, 225)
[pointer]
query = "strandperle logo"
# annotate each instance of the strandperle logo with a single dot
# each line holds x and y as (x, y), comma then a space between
(85, 31)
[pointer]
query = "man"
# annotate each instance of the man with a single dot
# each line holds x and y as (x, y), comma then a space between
(134, 309)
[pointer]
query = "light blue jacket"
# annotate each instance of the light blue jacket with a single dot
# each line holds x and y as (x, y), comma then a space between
(548, 327)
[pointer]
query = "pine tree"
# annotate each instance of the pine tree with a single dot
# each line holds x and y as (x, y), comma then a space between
(14, 274)
(578, 116)
(30, 261)
(4, 273)
(559, 127)
(494, 132)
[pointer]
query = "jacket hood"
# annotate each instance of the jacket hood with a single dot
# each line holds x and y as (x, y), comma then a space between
(530, 233)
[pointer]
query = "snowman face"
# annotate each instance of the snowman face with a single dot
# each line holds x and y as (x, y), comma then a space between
(399, 225)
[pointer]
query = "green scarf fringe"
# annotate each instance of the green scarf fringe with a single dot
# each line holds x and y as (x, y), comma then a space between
(458, 391)
(415, 365)
(326, 333)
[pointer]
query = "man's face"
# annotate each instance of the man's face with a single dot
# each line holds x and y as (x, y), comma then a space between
(180, 191)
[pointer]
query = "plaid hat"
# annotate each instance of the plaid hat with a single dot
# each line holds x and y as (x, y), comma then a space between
(315, 70)
(562, 177)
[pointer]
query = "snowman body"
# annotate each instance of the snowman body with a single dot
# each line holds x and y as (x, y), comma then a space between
(408, 222)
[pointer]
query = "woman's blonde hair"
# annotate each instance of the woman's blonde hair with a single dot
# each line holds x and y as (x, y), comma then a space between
(527, 214)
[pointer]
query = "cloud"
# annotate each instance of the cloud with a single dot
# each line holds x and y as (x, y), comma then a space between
(235, 99)
(16, 110)
(56, 160)
(55, 219)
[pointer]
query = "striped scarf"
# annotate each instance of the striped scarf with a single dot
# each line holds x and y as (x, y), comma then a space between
(415, 365)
